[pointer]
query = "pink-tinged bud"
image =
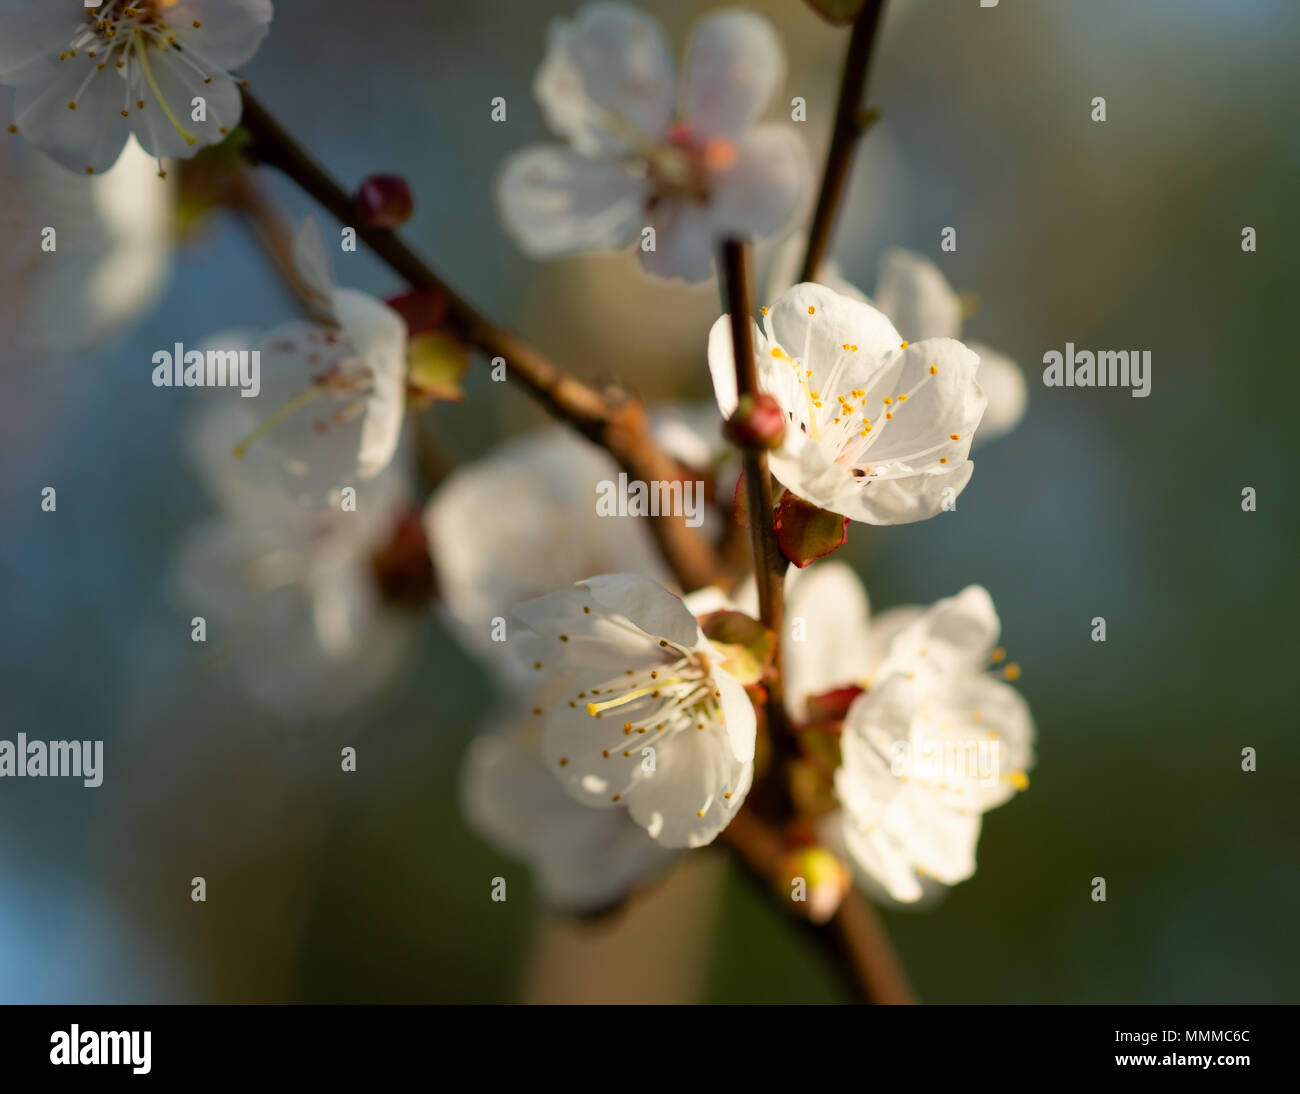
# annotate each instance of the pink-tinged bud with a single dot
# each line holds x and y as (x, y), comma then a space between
(384, 201)
(814, 881)
(759, 422)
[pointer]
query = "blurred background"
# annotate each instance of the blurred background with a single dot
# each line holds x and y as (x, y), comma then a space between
(370, 887)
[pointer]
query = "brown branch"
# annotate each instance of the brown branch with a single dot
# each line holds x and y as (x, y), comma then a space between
(850, 121)
(623, 430)
(855, 933)
(769, 564)
(855, 937)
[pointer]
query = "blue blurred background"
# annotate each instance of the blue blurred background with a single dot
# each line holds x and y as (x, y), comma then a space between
(1110, 235)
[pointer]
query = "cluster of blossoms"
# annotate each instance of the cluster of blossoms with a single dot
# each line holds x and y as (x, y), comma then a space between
(631, 731)
(637, 735)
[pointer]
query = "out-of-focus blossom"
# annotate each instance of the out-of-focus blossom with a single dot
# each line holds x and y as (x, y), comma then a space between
(523, 521)
(916, 296)
(104, 265)
(335, 396)
(584, 859)
(647, 150)
(879, 428)
(86, 79)
(294, 600)
(638, 708)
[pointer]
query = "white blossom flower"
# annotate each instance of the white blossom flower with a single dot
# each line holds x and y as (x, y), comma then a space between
(638, 708)
(584, 859)
(933, 744)
(879, 429)
(292, 598)
(685, 158)
(87, 78)
(115, 248)
(522, 521)
(916, 296)
(338, 393)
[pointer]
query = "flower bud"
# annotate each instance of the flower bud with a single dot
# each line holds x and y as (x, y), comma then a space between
(814, 881)
(759, 422)
(384, 201)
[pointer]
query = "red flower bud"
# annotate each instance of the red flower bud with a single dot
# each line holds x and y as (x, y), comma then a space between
(759, 422)
(384, 201)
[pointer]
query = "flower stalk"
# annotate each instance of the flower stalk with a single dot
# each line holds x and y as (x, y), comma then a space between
(769, 566)
(850, 122)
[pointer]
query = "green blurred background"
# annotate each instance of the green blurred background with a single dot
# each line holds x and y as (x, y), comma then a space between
(370, 888)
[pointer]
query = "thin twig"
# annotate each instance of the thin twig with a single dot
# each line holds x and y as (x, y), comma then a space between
(623, 430)
(850, 121)
(855, 937)
(769, 565)
(248, 199)
(855, 932)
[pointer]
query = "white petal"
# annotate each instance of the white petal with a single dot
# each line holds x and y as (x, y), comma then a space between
(722, 365)
(917, 297)
(313, 452)
(33, 34)
(835, 651)
(686, 238)
(179, 86)
(545, 482)
(230, 32)
(813, 323)
(942, 399)
(584, 858)
(379, 335)
(607, 81)
(738, 716)
(645, 603)
(554, 202)
(902, 500)
(1007, 392)
(734, 63)
(310, 259)
(958, 633)
(117, 226)
(761, 191)
(694, 773)
(92, 136)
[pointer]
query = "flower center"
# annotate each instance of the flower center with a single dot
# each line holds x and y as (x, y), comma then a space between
(681, 167)
(847, 426)
(119, 37)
